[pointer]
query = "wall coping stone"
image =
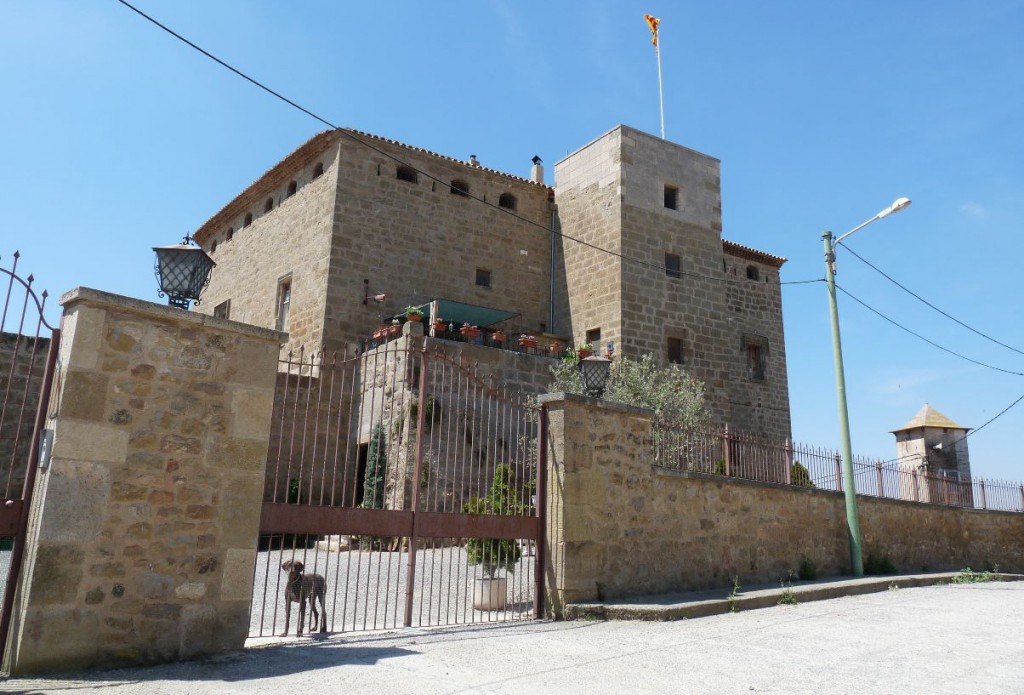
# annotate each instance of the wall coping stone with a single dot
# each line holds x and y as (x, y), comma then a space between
(109, 300)
(590, 401)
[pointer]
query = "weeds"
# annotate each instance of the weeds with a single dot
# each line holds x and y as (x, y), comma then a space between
(731, 598)
(788, 598)
(807, 570)
(967, 576)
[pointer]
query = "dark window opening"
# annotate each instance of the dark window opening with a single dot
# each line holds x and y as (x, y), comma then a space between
(404, 173)
(284, 302)
(213, 246)
(292, 187)
(752, 273)
(671, 197)
(483, 277)
(674, 351)
(231, 233)
(222, 310)
(248, 219)
(756, 349)
(673, 265)
(594, 337)
(459, 188)
(269, 205)
(318, 170)
(507, 200)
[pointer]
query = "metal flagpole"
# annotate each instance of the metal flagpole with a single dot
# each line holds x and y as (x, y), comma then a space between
(661, 93)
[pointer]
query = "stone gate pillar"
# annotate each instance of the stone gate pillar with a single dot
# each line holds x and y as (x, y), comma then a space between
(143, 535)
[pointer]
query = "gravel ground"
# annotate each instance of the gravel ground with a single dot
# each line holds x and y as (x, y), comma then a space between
(367, 590)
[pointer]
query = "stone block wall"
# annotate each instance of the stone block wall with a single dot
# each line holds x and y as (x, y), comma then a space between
(619, 527)
(143, 535)
(22, 362)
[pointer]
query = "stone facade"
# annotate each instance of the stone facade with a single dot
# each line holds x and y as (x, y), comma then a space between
(414, 238)
(619, 527)
(143, 533)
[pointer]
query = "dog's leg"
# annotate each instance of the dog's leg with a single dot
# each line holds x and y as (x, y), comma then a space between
(302, 614)
(287, 615)
(323, 611)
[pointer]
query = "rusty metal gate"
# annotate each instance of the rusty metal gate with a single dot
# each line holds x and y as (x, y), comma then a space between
(410, 483)
(28, 355)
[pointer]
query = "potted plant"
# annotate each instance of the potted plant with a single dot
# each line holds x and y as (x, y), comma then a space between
(584, 351)
(380, 333)
(395, 329)
(527, 341)
(555, 348)
(493, 554)
(499, 338)
(469, 332)
(413, 313)
(439, 325)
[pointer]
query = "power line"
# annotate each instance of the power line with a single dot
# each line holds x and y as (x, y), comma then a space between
(921, 337)
(430, 176)
(927, 303)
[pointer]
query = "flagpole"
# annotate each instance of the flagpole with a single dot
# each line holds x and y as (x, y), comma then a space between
(661, 93)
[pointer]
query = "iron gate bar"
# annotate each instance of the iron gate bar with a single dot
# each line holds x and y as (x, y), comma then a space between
(421, 416)
(541, 507)
(278, 517)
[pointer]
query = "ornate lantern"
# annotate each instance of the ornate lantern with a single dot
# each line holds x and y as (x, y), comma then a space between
(183, 272)
(595, 371)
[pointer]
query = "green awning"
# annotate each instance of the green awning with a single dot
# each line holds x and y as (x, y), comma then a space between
(459, 313)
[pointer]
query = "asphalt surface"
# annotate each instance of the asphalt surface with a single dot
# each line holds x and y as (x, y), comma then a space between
(940, 639)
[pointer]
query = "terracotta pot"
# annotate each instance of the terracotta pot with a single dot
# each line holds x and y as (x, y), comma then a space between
(471, 333)
(440, 326)
(584, 354)
(527, 343)
(414, 317)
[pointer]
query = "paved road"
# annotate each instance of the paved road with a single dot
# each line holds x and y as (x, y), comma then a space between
(944, 639)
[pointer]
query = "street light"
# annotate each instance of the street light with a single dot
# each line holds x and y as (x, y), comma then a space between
(183, 272)
(850, 492)
(595, 371)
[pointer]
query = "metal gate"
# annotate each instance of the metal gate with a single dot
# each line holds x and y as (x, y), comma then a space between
(405, 479)
(28, 355)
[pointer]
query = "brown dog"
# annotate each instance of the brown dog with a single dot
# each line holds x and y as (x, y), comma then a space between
(299, 588)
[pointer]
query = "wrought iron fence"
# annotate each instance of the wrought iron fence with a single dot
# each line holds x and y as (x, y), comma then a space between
(720, 451)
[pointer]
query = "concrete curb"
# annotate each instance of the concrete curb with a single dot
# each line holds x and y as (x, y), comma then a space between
(683, 606)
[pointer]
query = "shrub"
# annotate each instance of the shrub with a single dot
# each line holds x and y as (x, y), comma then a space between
(501, 499)
(807, 570)
(800, 476)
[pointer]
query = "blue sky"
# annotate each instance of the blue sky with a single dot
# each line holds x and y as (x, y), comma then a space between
(117, 138)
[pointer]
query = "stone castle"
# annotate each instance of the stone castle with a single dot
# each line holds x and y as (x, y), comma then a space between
(625, 251)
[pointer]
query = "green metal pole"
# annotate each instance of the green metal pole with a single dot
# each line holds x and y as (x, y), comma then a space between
(849, 490)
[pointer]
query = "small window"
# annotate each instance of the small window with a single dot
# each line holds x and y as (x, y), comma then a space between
(483, 277)
(752, 273)
(674, 351)
(405, 173)
(269, 205)
(673, 265)
(507, 201)
(292, 187)
(459, 187)
(248, 219)
(594, 336)
(755, 348)
(671, 197)
(213, 246)
(222, 310)
(318, 170)
(284, 302)
(231, 233)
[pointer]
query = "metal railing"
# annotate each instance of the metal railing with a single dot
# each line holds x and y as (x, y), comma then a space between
(720, 451)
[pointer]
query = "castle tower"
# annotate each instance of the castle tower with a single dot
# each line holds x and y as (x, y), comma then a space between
(935, 449)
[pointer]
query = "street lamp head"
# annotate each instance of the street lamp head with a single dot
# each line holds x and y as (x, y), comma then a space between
(182, 272)
(895, 207)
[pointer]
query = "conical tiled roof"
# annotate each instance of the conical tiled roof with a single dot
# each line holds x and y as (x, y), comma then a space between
(930, 417)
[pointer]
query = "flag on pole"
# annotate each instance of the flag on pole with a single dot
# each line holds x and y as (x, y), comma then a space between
(653, 23)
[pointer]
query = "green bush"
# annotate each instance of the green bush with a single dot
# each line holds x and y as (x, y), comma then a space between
(807, 570)
(800, 476)
(501, 499)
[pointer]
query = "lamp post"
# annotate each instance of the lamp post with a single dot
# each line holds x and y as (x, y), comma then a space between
(849, 490)
(183, 272)
(595, 371)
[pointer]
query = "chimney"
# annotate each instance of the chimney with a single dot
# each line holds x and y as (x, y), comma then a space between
(537, 170)
(473, 161)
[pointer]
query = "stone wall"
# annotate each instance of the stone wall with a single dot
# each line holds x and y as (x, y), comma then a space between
(22, 362)
(619, 527)
(143, 534)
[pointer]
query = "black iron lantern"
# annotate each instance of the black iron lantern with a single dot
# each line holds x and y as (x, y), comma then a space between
(183, 272)
(595, 370)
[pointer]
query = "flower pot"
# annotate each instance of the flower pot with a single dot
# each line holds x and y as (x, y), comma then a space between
(380, 333)
(498, 338)
(527, 343)
(440, 326)
(414, 317)
(489, 594)
(394, 331)
(470, 333)
(555, 349)
(584, 354)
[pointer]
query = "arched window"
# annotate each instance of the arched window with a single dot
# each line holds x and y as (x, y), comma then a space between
(318, 170)
(231, 232)
(292, 187)
(248, 219)
(459, 187)
(507, 200)
(404, 173)
(752, 273)
(269, 205)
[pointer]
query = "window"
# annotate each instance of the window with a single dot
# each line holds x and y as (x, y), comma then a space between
(213, 246)
(318, 170)
(459, 187)
(483, 277)
(222, 310)
(752, 273)
(284, 301)
(594, 337)
(673, 265)
(269, 205)
(674, 351)
(292, 187)
(755, 348)
(507, 201)
(248, 219)
(404, 173)
(231, 232)
(671, 197)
